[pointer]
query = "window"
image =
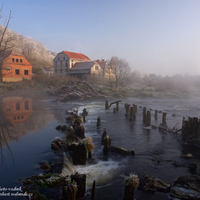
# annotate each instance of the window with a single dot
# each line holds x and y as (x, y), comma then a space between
(26, 105)
(96, 67)
(66, 64)
(56, 64)
(13, 59)
(17, 59)
(20, 60)
(58, 58)
(18, 106)
(25, 72)
(14, 118)
(63, 58)
(18, 117)
(17, 72)
(22, 117)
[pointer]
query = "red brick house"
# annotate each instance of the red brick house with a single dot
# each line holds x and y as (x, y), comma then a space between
(15, 67)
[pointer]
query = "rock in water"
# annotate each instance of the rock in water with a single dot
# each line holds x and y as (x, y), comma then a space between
(186, 187)
(153, 184)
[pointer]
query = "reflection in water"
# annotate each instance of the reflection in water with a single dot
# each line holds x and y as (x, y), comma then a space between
(17, 109)
(18, 118)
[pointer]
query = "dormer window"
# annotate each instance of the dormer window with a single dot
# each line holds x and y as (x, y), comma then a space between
(13, 59)
(17, 60)
(20, 60)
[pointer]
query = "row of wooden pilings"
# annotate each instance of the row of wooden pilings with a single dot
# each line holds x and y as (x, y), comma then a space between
(131, 113)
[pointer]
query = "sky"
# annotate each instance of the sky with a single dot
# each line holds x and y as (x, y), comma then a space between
(159, 37)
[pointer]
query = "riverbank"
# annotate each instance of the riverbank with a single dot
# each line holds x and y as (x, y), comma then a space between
(136, 90)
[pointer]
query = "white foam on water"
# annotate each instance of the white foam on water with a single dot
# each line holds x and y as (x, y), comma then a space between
(102, 172)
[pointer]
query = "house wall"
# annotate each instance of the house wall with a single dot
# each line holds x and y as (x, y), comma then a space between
(14, 64)
(61, 64)
(96, 71)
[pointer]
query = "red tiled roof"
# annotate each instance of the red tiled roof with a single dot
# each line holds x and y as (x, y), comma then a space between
(76, 55)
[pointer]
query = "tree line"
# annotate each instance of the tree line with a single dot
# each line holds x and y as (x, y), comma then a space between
(34, 51)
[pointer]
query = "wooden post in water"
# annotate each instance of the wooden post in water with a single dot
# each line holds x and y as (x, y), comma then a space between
(99, 121)
(107, 142)
(128, 192)
(103, 136)
(185, 128)
(132, 113)
(135, 107)
(117, 106)
(164, 118)
(125, 105)
(106, 105)
(114, 110)
(144, 115)
(148, 122)
(198, 132)
(156, 114)
(93, 191)
(127, 109)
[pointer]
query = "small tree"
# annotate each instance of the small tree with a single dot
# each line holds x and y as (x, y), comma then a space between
(5, 41)
(118, 73)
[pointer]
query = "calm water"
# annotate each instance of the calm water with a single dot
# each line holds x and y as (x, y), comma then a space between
(29, 122)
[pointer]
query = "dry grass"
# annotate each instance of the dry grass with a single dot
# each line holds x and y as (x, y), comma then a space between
(88, 143)
(132, 179)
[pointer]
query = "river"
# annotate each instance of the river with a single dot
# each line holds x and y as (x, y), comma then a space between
(28, 126)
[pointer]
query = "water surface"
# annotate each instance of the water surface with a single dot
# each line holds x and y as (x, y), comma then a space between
(28, 127)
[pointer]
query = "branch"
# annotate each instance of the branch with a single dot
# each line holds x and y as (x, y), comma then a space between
(5, 29)
(114, 103)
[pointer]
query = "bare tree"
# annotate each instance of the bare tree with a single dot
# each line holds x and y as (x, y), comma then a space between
(118, 73)
(5, 41)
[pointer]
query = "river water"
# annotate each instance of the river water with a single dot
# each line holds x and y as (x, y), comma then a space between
(28, 127)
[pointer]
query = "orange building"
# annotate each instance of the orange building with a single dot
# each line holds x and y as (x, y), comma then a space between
(15, 67)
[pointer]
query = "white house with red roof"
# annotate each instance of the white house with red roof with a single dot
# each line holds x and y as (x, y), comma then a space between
(76, 64)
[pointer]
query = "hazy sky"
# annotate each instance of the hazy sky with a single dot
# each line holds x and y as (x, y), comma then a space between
(154, 36)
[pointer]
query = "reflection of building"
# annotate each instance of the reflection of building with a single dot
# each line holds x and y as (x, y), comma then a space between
(17, 109)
